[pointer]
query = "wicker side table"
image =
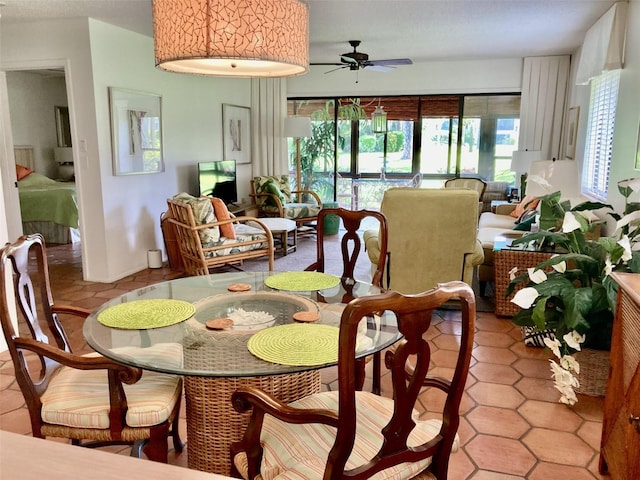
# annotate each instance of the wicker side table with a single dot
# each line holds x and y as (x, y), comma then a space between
(504, 260)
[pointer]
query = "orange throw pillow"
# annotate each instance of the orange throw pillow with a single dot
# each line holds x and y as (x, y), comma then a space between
(528, 202)
(222, 213)
(22, 172)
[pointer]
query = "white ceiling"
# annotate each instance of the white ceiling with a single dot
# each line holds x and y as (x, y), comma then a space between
(423, 30)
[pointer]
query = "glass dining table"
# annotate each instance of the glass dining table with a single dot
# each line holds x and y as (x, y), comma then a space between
(214, 363)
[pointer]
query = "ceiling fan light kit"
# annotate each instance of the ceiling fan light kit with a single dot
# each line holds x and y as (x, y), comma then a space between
(233, 38)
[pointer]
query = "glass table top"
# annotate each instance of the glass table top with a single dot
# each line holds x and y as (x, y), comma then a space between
(200, 351)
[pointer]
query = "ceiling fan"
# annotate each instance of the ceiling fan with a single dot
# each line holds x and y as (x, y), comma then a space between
(358, 60)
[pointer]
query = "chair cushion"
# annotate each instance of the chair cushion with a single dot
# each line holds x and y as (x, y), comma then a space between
(293, 211)
(80, 398)
(222, 213)
(271, 187)
(300, 451)
(203, 213)
(243, 233)
(280, 181)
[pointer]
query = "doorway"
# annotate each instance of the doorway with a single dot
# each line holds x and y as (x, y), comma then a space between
(39, 114)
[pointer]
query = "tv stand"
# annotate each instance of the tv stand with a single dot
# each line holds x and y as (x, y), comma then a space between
(243, 209)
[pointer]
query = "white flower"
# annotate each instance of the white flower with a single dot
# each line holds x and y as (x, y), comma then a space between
(536, 276)
(568, 362)
(573, 339)
(554, 345)
(562, 378)
(608, 266)
(524, 298)
(559, 267)
(512, 273)
(570, 223)
(626, 244)
(568, 396)
(630, 218)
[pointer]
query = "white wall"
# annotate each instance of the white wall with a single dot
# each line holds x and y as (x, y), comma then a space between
(119, 216)
(32, 98)
(489, 76)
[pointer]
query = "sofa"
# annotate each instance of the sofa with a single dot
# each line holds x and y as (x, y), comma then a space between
(494, 191)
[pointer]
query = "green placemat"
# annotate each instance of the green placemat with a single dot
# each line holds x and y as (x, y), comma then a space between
(296, 344)
(301, 281)
(143, 314)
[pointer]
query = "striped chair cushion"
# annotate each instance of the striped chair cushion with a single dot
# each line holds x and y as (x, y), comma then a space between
(244, 233)
(80, 398)
(298, 452)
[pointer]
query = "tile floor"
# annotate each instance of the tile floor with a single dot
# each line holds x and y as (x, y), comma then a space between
(511, 428)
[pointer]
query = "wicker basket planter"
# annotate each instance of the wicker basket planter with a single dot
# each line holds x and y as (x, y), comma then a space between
(594, 372)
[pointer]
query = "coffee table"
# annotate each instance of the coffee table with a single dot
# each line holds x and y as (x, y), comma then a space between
(283, 230)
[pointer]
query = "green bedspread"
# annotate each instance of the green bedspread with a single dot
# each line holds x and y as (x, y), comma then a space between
(44, 199)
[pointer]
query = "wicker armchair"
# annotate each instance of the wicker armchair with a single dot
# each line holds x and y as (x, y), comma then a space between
(86, 398)
(274, 198)
(206, 241)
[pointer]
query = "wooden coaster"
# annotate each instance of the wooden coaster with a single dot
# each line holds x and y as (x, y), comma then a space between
(219, 323)
(239, 287)
(306, 316)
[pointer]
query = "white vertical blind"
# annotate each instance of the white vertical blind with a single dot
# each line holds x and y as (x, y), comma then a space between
(599, 140)
(544, 89)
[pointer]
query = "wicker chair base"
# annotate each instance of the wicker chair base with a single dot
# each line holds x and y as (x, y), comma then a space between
(212, 422)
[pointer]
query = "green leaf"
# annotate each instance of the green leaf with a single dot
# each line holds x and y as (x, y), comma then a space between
(538, 315)
(523, 318)
(590, 206)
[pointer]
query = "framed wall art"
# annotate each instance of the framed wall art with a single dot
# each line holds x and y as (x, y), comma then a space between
(637, 166)
(236, 133)
(136, 131)
(572, 133)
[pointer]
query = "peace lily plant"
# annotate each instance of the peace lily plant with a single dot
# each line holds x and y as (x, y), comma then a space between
(572, 294)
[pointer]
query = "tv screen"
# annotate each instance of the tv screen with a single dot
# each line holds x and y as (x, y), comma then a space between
(218, 179)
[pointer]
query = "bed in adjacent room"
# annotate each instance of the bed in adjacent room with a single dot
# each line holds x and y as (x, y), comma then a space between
(48, 207)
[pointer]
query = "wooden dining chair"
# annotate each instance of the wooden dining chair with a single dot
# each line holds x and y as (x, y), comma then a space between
(351, 246)
(89, 399)
(356, 434)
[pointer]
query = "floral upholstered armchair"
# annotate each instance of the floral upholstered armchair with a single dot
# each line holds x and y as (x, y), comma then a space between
(274, 197)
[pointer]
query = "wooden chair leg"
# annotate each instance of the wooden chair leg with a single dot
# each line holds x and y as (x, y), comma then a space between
(375, 388)
(156, 448)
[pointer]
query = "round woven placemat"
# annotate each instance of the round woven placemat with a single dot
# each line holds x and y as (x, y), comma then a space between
(143, 314)
(301, 281)
(297, 344)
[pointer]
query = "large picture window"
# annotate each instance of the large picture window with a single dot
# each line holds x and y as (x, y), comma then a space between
(435, 137)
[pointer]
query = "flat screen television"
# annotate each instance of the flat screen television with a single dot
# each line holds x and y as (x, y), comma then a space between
(218, 179)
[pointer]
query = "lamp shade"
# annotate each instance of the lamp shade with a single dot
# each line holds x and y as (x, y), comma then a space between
(235, 38)
(379, 120)
(549, 176)
(297, 127)
(521, 160)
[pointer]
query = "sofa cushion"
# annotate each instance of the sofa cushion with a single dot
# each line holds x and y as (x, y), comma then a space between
(495, 220)
(529, 201)
(222, 213)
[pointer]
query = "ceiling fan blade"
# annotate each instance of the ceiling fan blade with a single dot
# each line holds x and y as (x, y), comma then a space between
(333, 63)
(339, 68)
(391, 61)
(379, 68)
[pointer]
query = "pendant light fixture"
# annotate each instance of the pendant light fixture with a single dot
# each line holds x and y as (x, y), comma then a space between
(234, 38)
(379, 120)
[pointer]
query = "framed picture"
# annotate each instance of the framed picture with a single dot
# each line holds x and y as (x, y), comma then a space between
(638, 148)
(63, 127)
(572, 133)
(136, 132)
(236, 133)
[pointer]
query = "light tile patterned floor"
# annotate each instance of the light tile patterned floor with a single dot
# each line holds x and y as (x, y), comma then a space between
(512, 426)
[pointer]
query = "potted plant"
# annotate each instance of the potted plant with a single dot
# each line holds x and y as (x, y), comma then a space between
(572, 294)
